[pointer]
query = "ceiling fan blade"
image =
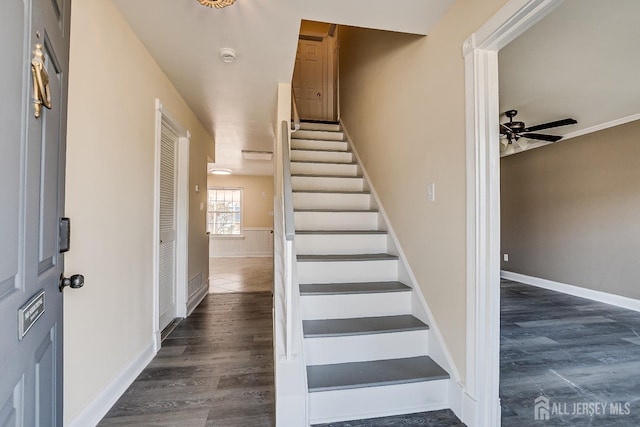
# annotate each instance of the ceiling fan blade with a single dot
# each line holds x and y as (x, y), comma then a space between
(557, 123)
(541, 137)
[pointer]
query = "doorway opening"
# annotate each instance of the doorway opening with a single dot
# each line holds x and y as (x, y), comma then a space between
(484, 193)
(315, 74)
(480, 52)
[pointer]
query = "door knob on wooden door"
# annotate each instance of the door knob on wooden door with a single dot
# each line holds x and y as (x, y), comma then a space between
(318, 94)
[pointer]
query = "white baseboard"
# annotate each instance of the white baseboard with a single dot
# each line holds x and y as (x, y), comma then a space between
(98, 408)
(456, 398)
(197, 298)
(617, 300)
(469, 410)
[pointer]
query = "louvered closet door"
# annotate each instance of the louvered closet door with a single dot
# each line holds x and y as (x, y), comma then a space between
(167, 259)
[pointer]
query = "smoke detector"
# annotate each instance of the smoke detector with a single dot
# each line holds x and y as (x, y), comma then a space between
(227, 55)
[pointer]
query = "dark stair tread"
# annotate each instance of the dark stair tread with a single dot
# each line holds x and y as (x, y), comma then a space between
(320, 150)
(325, 122)
(312, 140)
(334, 232)
(354, 163)
(350, 257)
(309, 139)
(362, 326)
(344, 376)
(352, 288)
(335, 210)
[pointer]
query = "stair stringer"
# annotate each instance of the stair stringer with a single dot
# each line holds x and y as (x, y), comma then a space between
(438, 349)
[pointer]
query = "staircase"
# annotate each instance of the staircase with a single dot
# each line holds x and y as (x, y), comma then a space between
(366, 354)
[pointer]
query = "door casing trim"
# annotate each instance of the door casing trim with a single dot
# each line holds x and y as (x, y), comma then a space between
(182, 220)
(481, 402)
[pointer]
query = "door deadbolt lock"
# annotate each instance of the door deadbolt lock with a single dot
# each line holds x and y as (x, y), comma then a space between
(74, 282)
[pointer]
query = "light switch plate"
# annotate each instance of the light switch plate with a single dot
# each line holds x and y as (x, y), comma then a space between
(431, 192)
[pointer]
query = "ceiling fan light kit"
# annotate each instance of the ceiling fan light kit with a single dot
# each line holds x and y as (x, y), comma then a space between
(218, 4)
(514, 130)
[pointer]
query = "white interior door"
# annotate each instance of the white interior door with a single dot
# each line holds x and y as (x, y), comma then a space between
(168, 213)
(309, 80)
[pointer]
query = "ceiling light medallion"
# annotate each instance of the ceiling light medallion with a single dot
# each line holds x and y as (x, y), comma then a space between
(227, 55)
(218, 4)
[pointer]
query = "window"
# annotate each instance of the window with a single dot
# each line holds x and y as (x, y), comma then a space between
(224, 213)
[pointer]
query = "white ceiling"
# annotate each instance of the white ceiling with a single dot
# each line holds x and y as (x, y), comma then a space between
(237, 102)
(581, 61)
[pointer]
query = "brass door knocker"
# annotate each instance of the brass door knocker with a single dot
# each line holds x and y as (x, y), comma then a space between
(41, 92)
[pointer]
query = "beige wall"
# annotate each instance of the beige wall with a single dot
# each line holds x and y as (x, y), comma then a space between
(110, 198)
(570, 211)
(257, 197)
(402, 101)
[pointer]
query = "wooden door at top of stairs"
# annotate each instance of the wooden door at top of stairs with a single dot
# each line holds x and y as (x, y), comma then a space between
(32, 167)
(309, 80)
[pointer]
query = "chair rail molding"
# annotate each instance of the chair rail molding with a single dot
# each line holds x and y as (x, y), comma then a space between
(481, 402)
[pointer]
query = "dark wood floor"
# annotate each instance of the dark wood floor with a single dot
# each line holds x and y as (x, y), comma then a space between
(571, 350)
(444, 418)
(214, 369)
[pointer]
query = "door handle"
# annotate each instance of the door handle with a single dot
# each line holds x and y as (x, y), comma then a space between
(41, 92)
(318, 94)
(74, 282)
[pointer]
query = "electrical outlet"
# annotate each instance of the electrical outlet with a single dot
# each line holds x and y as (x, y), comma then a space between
(431, 192)
(505, 257)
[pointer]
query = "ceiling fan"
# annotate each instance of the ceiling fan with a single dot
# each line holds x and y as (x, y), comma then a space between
(513, 131)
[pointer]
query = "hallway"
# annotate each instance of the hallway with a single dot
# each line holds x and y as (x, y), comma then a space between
(240, 274)
(214, 369)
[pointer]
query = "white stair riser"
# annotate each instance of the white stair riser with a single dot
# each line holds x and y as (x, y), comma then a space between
(311, 144)
(320, 126)
(322, 156)
(317, 307)
(362, 348)
(370, 402)
(331, 201)
(324, 169)
(319, 134)
(326, 244)
(347, 271)
(336, 220)
(326, 183)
